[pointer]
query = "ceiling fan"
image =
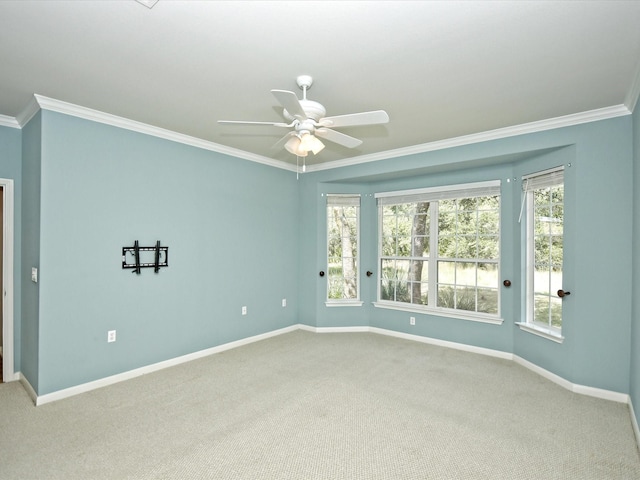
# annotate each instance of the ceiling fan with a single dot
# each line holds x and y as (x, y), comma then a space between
(308, 121)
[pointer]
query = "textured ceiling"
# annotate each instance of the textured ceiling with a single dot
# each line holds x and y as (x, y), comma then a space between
(440, 69)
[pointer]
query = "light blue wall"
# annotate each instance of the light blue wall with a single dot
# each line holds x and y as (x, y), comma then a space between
(598, 234)
(31, 202)
(635, 331)
(231, 227)
(240, 233)
(11, 168)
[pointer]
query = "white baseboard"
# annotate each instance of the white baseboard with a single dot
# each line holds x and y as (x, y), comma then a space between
(573, 387)
(103, 382)
(334, 329)
(634, 423)
(27, 386)
(443, 343)
(120, 377)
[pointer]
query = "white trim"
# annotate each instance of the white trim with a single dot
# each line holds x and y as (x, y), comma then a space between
(540, 331)
(526, 128)
(8, 361)
(343, 303)
(439, 312)
(28, 113)
(532, 127)
(308, 328)
(53, 105)
(572, 387)
(634, 92)
(443, 343)
(27, 386)
(634, 423)
(489, 184)
(103, 382)
(10, 122)
(579, 389)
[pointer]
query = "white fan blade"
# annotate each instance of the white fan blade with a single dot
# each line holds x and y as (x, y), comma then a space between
(242, 122)
(337, 137)
(353, 119)
(280, 143)
(291, 104)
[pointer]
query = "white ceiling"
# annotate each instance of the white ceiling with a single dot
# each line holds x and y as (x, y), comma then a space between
(441, 70)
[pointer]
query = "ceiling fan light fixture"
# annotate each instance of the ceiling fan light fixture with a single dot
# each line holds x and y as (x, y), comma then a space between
(310, 143)
(294, 146)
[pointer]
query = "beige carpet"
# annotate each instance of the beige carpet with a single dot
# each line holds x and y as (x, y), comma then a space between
(322, 406)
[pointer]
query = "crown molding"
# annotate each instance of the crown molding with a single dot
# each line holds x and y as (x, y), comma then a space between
(525, 128)
(85, 113)
(46, 103)
(6, 121)
(631, 99)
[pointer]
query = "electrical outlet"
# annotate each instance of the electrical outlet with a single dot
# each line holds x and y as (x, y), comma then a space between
(284, 302)
(244, 310)
(412, 320)
(111, 336)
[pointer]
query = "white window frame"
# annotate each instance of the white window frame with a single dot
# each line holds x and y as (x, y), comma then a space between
(531, 182)
(346, 200)
(433, 195)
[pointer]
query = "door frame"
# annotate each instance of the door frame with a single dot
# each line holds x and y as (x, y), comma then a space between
(8, 373)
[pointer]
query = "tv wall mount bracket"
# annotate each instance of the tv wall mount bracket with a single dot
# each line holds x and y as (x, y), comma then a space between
(132, 261)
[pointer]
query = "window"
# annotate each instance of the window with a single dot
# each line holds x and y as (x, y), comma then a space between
(439, 249)
(544, 200)
(343, 231)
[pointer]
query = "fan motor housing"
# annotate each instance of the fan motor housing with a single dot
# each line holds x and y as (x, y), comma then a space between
(312, 109)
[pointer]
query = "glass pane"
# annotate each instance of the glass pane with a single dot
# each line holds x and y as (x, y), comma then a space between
(467, 222)
(467, 246)
(419, 293)
(419, 271)
(388, 246)
(404, 246)
(466, 298)
(488, 275)
(557, 194)
(488, 222)
(446, 296)
(388, 226)
(387, 289)
(541, 197)
(420, 247)
(556, 250)
(402, 270)
(541, 280)
(335, 287)
(446, 272)
(488, 300)
(465, 273)
(488, 247)
(541, 246)
(556, 312)
(446, 222)
(541, 309)
(447, 246)
(421, 224)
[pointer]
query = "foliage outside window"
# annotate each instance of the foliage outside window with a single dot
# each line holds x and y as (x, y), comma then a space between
(544, 196)
(439, 249)
(343, 231)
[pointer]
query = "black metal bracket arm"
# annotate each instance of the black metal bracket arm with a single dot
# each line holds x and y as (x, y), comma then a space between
(160, 258)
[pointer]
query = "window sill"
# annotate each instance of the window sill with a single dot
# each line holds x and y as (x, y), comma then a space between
(441, 312)
(541, 332)
(344, 303)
